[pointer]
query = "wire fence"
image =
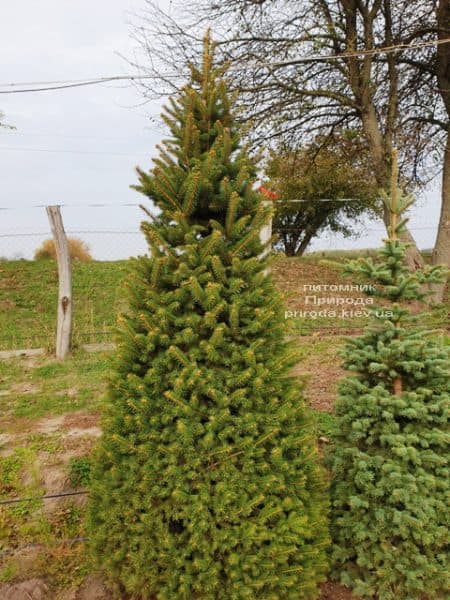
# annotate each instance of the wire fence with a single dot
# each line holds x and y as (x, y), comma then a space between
(112, 231)
(56, 542)
(28, 288)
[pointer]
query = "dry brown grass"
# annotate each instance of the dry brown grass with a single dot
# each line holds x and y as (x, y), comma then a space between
(78, 250)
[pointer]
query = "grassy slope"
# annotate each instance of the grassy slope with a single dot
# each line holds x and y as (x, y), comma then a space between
(35, 388)
(28, 294)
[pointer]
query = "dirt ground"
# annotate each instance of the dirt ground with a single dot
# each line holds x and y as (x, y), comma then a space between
(320, 370)
(75, 434)
(93, 589)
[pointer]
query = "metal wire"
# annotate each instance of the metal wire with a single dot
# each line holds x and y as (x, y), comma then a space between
(46, 497)
(71, 83)
(96, 205)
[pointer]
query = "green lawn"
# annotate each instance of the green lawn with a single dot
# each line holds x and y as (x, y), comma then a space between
(28, 297)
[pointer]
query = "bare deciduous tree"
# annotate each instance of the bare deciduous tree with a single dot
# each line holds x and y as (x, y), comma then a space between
(307, 68)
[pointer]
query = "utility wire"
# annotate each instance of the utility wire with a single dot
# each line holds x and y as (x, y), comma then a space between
(71, 231)
(138, 138)
(62, 85)
(18, 149)
(67, 84)
(99, 205)
(45, 86)
(355, 53)
(138, 232)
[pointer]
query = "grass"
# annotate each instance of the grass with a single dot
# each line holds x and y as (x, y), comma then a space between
(35, 461)
(43, 387)
(338, 254)
(80, 471)
(325, 423)
(61, 565)
(28, 298)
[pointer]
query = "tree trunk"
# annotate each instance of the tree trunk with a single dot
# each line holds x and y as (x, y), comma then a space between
(414, 258)
(360, 80)
(289, 247)
(304, 244)
(441, 252)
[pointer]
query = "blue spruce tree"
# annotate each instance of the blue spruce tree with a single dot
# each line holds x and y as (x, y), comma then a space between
(390, 463)
(205, 482)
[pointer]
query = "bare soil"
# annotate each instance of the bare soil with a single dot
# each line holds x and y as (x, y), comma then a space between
(93, 589)
(335, 591)
(321, 373)
(33, 589)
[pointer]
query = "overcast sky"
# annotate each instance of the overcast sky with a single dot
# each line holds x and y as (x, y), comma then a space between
(80, 146)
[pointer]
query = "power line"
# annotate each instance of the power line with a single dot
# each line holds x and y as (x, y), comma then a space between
(87, 152)
(378, 229)
(65, 84)
(101, 205)
(45, 86)
(96, 205)
(141, 138)
(355, 53)
(71, 231)
(68, 84)
(138, 232)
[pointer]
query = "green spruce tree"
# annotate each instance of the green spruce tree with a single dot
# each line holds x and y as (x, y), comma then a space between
(205, 482)
(391, 486)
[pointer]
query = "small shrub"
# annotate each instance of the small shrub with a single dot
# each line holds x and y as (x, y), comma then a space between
(80, 471)
(78, 250)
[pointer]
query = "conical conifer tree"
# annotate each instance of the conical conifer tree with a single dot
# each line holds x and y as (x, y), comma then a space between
(390, 462)
(205, 482)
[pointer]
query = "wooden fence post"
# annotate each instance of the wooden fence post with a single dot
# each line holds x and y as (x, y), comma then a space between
(64, 323)
(265, 235)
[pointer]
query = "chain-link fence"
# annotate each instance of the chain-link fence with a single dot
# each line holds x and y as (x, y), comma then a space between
(111, 232)
(28, 287)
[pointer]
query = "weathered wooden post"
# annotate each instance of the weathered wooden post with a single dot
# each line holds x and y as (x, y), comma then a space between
(64, 323)
(266, 234)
